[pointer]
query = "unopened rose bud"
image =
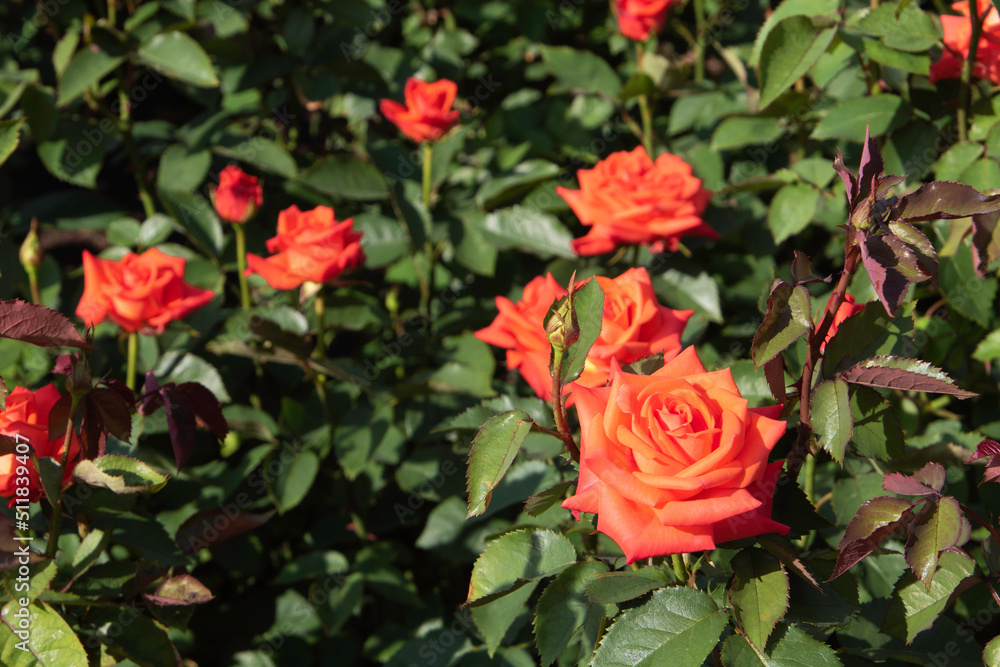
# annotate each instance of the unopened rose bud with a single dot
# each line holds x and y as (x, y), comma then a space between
(562, 328)
(31, 254)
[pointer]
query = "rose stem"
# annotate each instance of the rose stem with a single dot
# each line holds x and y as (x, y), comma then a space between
(241, 264)
(801, 448)
(125, 128)
(699, 23)
(975, 517)
(133, 355)
(319, 352)
(644, 111)
(967, 67)
(54, 524)
(425, 296)
(559, 404)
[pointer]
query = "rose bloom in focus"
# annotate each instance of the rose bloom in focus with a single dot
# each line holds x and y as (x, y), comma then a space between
(627, 198)
(139, 293)
(427, 114)
(311, 246)
(958, 39)
(637, 19)
(634, 325)
(238, 196)
(847, 308)
(27, 416)
(676, 461)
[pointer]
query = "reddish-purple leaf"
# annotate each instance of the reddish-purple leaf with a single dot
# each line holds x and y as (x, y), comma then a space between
(992, 471)
(873, 523)
(210, 527)
(38, 325)
(937, 527)
(927, 261)
(181, 590)
(92, 433)
(985, 241)
(907, 374)
(905, 485)
(207, 408)
(59, 417)
(943, 200)
(774, 372)
(151, 400)
(892, 266)
(887, 182)
(181, 423)
(986, 448)
(932, 475)
(116, 412)
(847, 176)
(871, 167)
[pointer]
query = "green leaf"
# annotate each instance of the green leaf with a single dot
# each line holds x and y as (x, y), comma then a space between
(792, 46)
(759, 593)
(965, 290)
(907, 374)
(90, 549)
(900, 26)
(347, 177)
(677, 627)
(914, 608)
(792, 209)
(988, 349)
(293, 484)
(562, 609)
(516, 557)
(133, 634)
(793, 648)
(873, 49)
(788, 318)
(687, 292)
(936, 528)
(580, 70)
(954, 161)
(86, 69)
(739, 131)
(181, 368)
(181, 170)
(197, 218)
(311, 565)
(830, 414)
(120, 474)
(384, 240)
(588, 307)
(991, 654)
(871, 332)
(527, 229)
(41, 575)
(179, 57)
(258, 151)
(544, 500)
(493, 450)
(496, 616)
(51, 642)
(520, 179)
(617, 587)
(76, 149)
(874, 522)
(10, 133)
(784, 10)
(848, 118)
(877, 432)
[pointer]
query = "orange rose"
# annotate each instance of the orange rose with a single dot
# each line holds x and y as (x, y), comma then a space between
(627, 199)
(958, 38)
(238, 196)
(427, 114)
(26, 418)
(138, 292)
(638, 18)
(676, 461)
(311, 246)
(847, 308)
(634, 325)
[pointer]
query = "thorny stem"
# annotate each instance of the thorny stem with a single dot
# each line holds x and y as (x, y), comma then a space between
(54, 525)
(801, 448)
(967, 67)
(680, 568)
(559, 404)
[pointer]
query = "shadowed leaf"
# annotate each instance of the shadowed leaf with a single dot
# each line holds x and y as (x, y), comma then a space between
(38, 325)
(942, 200)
